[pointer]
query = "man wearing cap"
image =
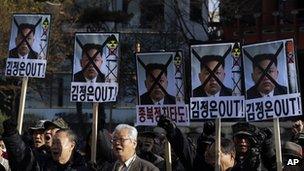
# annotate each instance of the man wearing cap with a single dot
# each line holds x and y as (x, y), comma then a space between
(292, 152)
(266, 86)
(253, 147)
(145, 146)
(24, 42)
(213, 86)
(51, 127)
(38, 135)
(63, 157)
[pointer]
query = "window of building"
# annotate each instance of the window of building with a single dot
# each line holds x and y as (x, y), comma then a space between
(196, 10)
(152, 13)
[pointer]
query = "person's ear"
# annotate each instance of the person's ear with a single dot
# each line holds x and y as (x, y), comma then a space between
(135, 143)
(200, 76)
(146, 84)
(81, 62)
(73, 144)
(276, 76)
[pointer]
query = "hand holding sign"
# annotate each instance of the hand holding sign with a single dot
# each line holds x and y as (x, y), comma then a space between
(166, 123)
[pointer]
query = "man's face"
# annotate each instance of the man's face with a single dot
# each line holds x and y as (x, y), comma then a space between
(90, 72)
(241, 144)
(49, 134)
(226, 160)
(156, 93)
(265, 86)
(62, 147)
(38, 136)
(212, 86)
(298, 126)
(123, 146)
(147, 143)
(2, 148)
(24, 49)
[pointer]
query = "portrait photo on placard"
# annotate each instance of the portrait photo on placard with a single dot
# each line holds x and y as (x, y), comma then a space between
(29, 36)
(213, 69)
(156, 78)
(95, 58)
(266, 70)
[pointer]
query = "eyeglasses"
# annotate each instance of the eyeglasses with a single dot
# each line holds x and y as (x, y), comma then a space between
(120, 140)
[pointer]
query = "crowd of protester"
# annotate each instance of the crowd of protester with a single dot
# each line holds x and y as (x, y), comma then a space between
(53, 147)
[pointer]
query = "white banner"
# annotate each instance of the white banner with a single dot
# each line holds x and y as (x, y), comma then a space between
(280, 106)
(93, 92)
(217, 107)
(149, 114)
(25, 67)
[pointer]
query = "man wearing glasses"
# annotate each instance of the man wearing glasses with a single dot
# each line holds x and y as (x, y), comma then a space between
(124, 145)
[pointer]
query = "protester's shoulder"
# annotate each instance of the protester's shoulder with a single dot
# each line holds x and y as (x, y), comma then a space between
(146, 164)
(78, 159)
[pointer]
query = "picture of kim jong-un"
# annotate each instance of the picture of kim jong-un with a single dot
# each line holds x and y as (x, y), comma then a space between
(157, 94)
(89, 73)
(265, 86)
(213, 86)
(24, 42)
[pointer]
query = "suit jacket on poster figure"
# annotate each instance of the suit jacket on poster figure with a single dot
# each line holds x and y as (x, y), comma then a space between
(14, 54)
(79, 77)
(254, 93)
(199, 91)
(146, 100)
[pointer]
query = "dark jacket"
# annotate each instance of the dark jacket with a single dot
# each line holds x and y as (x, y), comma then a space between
(146, 100)
(14, 54)
(199, 91)
(79, 77)
(139, 165)
(254, 93)
(23, 158)
(182, 148)
(155, 159)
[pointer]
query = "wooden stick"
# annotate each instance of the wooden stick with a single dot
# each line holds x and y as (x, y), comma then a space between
(217, 143)
(277, 138)
(94, 132)
(22, 104)
(168, 156)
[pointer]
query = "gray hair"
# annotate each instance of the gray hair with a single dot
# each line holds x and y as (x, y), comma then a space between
(131, 130)
(70, 134)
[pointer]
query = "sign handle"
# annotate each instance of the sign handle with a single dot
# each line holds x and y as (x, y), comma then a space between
(277, 138)
(22, 104)
(217, 143)
(168, 156)
(94, 132)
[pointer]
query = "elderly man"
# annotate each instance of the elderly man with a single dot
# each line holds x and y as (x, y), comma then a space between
(253, 147)
(124, 146)
(89, 73)
(156, 95)
(38, 135)
(146, 143)
(265, 87)
(24, 42)
(63, 154)
(37, 132)
(212, 87)
(227, 155)
(51, 127)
